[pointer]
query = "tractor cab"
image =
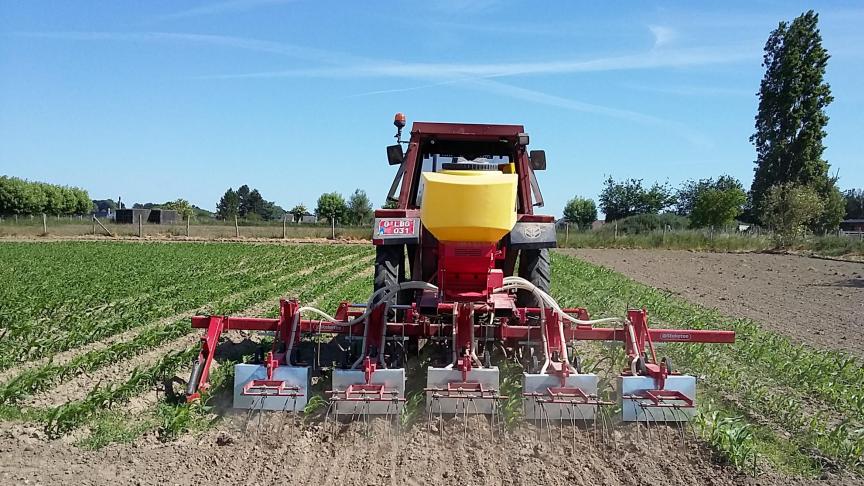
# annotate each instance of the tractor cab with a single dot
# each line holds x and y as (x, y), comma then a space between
(485, 194)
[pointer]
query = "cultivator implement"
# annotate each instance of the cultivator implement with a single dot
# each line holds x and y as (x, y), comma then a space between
(462, 307)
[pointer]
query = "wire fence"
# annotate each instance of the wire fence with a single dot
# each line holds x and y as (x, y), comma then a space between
(88, 225)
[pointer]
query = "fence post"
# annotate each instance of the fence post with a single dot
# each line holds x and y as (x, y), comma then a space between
(188, 218)
(140, 227)
(616, 230)
(284, 219)
(332, 228)
(94, 225)
(44, 223)
(236, 227)
(566, 233)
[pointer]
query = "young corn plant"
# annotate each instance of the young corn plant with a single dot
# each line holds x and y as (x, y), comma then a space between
(730, 436)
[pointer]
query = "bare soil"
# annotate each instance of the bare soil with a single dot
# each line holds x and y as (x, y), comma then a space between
(813, 301)
(239, 452)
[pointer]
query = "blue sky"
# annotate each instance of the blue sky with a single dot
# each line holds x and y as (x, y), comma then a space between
(164, 99)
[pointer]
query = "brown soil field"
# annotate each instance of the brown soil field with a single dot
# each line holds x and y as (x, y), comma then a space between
(240, 451)
(813, 301)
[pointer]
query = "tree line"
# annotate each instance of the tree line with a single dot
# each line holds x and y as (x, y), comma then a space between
(247, 203)
(792, 190)
(356, 211)
(331, 207)
(19, 196)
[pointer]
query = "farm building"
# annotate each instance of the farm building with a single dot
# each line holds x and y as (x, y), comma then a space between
(152, 216)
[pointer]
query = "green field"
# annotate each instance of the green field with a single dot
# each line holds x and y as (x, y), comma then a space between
(103, 324)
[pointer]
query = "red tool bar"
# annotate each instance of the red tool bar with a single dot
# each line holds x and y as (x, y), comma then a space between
(657, 335)
(242, 323)
(583, 333)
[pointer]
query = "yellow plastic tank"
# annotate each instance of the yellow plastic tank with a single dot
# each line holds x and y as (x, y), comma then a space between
(468, 205)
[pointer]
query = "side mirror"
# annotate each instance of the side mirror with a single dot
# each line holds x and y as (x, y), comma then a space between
(538, 159)
(394, 154)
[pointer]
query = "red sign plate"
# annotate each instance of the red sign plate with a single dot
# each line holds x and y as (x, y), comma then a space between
(395, 227)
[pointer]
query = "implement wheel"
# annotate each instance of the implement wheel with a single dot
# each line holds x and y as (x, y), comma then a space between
(389, 267)
(534, 266)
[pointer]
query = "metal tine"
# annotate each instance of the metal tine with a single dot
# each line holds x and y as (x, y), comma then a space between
(653, 418)
(249, 416)
(606, 415)
(429, 413)
(475, 408)
(364, 410)
(327, 416)
(251, 413)
(544, 422)
(680, 425)
(560, 425)
(281, 428)
(537, 423)
(645, 413)
(636, 413)
(465, 402)
(440, 416)
(575, 407)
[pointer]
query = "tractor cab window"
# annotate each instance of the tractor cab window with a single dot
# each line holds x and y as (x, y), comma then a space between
(434, 163)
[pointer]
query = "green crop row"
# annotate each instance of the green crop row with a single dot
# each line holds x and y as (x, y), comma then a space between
(68, 416)
(49, 337)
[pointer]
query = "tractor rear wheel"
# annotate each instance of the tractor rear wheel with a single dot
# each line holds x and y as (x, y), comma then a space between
(389, 267)
(534, 266)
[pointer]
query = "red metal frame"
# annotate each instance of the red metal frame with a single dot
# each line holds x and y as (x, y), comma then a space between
(440, 324)
(466, 274)
(421, 132)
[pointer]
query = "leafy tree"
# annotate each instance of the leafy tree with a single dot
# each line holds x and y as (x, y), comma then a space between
(18, 196)
(332, 207)
(243, 200)
(580, 211)
(854, 200)
(833, 209)
(84, 204)
(229, 205)
(298, 211)
(788, 209)
(254, 204)
(717, 208)
(104, 204)
(621, 199)
(182, 206)
(359, 208)
(390, 204)
(690, 190)
(272, 211)
(791, 120)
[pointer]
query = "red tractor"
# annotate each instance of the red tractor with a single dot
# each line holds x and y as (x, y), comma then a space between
(462, 270)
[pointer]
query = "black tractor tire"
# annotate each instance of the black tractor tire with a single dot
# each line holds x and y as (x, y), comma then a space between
(389, 267)
(534, 266)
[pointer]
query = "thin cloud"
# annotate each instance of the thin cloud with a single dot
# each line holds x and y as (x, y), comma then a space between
(476, 76)
(539, 97)
(220, 7)
(663, 36)
(650, 60)
(687, 90)
(242, 43)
